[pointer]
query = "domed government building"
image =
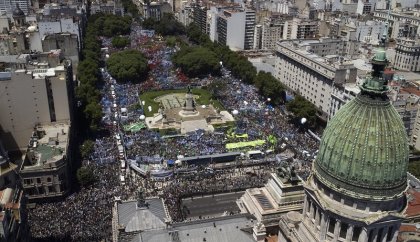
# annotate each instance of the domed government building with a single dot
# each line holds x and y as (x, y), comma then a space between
(356, 191)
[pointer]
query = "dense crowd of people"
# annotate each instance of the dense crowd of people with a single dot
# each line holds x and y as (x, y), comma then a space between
(86, 215)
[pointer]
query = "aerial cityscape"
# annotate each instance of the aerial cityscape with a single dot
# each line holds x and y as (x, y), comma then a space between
(213, 121)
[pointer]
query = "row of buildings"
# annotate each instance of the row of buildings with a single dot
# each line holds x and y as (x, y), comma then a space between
(319, 71)
(37, 88)
(39, 51)
(320, 48)
(257, 28)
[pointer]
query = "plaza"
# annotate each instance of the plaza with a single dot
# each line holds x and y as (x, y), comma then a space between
(172, 113)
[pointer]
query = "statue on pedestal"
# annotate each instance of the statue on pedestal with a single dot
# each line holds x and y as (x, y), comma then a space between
(287, 174)
(189, 104)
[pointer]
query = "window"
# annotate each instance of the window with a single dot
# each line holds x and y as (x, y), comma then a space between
(38, 180)
(51, 189)
(356, 233)
(331, 226)
(343, 230)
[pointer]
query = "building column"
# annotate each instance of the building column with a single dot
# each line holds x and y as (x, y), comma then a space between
(305, 206)
(384, 234)
(337, 229)
(375, 234)
(324, 226)
(395, 235)
(363, 237)
(318, 217)
(311, 210)
(349, 233)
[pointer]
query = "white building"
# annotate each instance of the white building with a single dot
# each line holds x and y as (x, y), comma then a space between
(310, 75)
(349, 6)
(108, 7)
(56, 19)
(370, 32)
(365, 6)
(185, 15)
(235, 28)
(382, 4)
(401, 24)
(212, 16)
(407, 55)
(301, 29)
(273, 29)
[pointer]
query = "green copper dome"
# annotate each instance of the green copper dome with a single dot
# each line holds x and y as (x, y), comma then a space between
(364, 149)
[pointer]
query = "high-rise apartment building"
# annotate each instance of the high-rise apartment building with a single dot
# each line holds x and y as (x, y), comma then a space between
(273, 30)
(235, 28)
(37, 89)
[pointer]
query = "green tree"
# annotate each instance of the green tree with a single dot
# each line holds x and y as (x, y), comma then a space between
(197, 61)
(86, 148)
(111, 25)
(414, 168)
(171, 41)
(168, 25)
(216, 87)
(149, 23)
(302, 108)
(128, 66)
(130, 8)
(194, 33)
(120, 42)
(85, 176)
(93, 112)
(270, 87)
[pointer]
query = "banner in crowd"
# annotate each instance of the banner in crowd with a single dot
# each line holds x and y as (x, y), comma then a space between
(245, 144)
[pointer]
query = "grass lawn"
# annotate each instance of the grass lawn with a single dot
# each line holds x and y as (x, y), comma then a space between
(204, 99)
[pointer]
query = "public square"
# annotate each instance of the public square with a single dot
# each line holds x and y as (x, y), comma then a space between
(127, 160)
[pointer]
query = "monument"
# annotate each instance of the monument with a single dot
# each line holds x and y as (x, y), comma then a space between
(189, 108)
(179, 112)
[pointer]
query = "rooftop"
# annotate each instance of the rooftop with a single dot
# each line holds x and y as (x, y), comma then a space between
(47, 145)
(413, 208)
(302, 48)
(224, 229)
(132, 218)
(408, 228)
(410, 90)
(408, 76)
